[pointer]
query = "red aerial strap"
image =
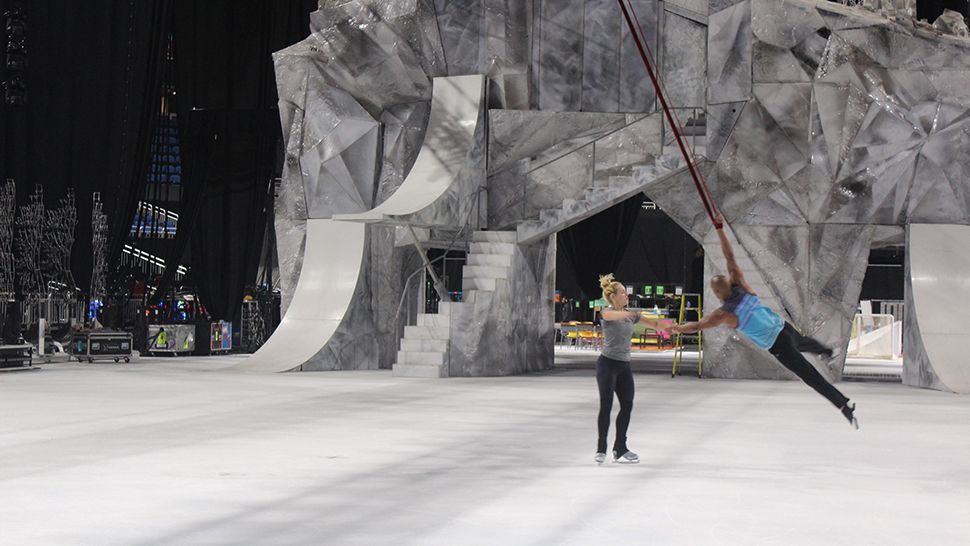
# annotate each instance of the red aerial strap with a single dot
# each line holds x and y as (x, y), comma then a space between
(695, 173)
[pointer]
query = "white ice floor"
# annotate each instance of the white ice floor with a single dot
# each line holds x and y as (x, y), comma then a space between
(167, 451)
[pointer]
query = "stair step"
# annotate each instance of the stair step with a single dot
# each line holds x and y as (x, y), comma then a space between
(444, 307)
(421, 358)
(485, 272)
(645, 174)
(424, 345)
(621, 182)
(489, 260)
(593, 194)
(572, 207)
(492, 248)
(549, 215)
(666, 163)
(494, 237)
(426, 332)
(411, 370)
(429, 319)
(478, 284)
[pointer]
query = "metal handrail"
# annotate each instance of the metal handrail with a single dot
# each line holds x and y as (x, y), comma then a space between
(449, 248)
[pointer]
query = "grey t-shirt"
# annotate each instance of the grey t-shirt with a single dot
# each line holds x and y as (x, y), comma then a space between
(617, 335)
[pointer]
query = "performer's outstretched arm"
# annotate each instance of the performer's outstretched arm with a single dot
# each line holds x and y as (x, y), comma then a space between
(717, 318)
(656, 324)
(734, 270)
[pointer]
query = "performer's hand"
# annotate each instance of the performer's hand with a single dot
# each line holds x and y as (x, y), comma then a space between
(718, 220)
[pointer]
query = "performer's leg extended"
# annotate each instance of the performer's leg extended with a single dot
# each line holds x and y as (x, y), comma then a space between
(806, 344)
(788, 354)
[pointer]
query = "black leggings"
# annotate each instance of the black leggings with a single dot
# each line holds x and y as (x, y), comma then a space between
(788, 350)
(614, 376)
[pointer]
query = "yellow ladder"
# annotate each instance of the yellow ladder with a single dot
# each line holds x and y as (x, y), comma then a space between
(685, 301)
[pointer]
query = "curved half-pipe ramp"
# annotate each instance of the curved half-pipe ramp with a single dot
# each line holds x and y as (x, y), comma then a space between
(456, 103)
(939, 267)
(331, 267)
(324, 308)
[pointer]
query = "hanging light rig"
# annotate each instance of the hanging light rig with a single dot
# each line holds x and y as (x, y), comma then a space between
(635, 30)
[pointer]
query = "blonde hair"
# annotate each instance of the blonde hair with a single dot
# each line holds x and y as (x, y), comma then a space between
(610, 287)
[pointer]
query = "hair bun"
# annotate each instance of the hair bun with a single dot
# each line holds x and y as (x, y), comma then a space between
(606, 281)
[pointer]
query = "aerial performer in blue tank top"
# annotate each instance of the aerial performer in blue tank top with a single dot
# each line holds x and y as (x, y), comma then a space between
(743, 311)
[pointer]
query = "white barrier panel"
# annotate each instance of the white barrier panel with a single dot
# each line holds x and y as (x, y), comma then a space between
(940, 268)
(872, 336)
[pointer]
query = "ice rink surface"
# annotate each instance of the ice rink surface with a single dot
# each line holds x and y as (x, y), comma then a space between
(167, 451)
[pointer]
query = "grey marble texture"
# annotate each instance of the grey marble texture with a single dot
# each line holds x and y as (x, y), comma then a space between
(490, 37)
(729, 54)
(462, 203)
(636, 91)
(597, 199)
(756, 159)
(620, 152)
(603, 30)
(715, 6)
(515, 135)
(390, 265)
(561, 55)
(583, 57)
(784, 24)
(699, 7)
(677, 197)
(539, 186)
(540, 171)
(509, 330)
(404, 126)
(460, 23)
(684, 61)
(720, 124)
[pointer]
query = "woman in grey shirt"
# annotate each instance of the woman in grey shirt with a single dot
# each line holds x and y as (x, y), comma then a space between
(613, 374)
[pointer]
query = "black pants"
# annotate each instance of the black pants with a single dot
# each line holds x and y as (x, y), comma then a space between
(788, 349)
(614, 376)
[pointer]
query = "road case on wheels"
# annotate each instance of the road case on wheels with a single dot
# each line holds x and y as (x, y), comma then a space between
(101, 345)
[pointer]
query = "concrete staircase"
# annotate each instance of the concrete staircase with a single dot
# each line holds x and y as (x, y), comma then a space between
(597, 199)
(425, 346)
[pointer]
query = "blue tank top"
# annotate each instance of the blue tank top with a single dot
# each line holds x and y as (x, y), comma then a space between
(760, 324)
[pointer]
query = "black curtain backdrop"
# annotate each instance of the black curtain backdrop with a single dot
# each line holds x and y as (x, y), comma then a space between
(931, 9)
(92, 96)
(659, 251)
(230, 133)
(596, 245)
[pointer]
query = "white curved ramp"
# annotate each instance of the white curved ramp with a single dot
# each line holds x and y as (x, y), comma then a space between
(334, 250)
(331, 266)
(455, 105)
(940, 276)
